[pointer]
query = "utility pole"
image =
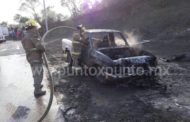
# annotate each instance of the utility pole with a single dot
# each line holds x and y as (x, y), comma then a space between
(45, 12)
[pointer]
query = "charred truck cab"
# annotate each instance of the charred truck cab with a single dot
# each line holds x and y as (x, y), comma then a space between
(108, 52)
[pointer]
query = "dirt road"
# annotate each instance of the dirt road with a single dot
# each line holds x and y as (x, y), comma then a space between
(17, 102)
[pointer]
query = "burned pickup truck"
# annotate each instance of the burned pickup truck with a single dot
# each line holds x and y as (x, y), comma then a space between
(107, 55)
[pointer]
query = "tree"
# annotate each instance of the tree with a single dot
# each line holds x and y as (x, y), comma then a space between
(30, 6)
(20, 19)
(71, 5)
(3, 23)
(17, 17)
(61, 17)
(50, 13)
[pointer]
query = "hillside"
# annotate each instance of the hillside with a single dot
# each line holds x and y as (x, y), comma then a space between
(152, 18)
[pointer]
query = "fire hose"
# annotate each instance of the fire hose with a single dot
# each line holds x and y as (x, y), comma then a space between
(50, 75)
(51, 89)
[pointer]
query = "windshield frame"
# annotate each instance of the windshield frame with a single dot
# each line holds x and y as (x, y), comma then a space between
(90, 35)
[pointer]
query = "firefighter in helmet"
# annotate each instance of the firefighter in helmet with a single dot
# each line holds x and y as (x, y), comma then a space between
(34, 49)
(79, 44)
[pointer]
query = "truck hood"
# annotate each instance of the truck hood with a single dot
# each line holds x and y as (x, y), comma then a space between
(137, 60)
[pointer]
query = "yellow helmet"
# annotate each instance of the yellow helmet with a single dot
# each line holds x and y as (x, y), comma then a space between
(32, 23)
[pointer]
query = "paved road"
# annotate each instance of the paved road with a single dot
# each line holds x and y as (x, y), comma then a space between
(17, 103)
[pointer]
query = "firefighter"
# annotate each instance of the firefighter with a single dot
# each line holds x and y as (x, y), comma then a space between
(81, 29)
(34, 50)
(79, 44)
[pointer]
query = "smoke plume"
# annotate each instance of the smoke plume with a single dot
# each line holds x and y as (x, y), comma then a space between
(133, 39)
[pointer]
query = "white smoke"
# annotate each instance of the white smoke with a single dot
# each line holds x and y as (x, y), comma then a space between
(133, 39)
